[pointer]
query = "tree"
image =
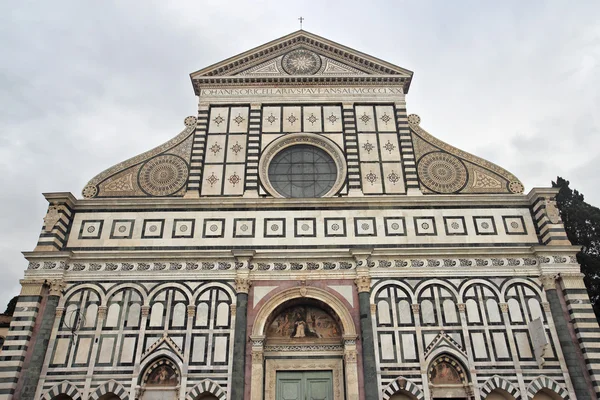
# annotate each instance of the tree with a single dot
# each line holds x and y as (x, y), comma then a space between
(582, 224)
(10, 308)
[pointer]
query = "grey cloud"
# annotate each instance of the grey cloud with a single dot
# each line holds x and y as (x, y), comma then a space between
(85, 85)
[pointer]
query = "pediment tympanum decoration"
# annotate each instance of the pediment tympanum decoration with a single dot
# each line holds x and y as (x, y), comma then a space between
(304, 324)
(444, 169)
(305, 56)
(160, 172)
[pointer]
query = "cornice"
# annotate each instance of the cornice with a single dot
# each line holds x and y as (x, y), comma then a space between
(236, 203)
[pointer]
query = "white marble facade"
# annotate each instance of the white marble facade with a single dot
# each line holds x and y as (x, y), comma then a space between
(150, 265)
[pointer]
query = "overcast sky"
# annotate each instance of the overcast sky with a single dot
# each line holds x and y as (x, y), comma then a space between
(85, 85)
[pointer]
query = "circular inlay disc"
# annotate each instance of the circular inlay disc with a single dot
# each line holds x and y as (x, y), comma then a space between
(301, 62)
(163, 175)
(442, 172)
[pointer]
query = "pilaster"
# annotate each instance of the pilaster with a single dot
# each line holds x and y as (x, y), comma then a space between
(242, 287)
(363, 286)
(566, 337)
(33, 369)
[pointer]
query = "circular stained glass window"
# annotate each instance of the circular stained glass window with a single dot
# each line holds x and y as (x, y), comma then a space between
(302, 171)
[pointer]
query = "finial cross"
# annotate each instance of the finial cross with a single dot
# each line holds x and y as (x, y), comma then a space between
(301, 19)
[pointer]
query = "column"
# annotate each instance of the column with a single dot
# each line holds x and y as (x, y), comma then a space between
(254, 123)
(101, 316)
(32, 372)
(242, 286)
(472, 390)
(363, 284)
(135, 391)
(18, 337)
(351, 142)
(513, 346)
(256, 385)
(351, 368)
(407, 150)
(571, 355)
(200, 125)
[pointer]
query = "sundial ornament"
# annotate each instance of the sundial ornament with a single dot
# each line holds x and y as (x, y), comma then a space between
(301, 62)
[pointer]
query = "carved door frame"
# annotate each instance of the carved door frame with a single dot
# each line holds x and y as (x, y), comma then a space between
(335, 365)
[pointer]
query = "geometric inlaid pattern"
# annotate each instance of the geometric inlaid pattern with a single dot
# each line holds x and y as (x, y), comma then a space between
(243, 227)
(122, 229)
(395, 226)
(152, 228)
(442, 172)
(213, 228)
(163, 175)
(425, 226)
(91, 229)
(455, 225)
(514, 225)
(183, 228)
(364, 226)
(485, 225)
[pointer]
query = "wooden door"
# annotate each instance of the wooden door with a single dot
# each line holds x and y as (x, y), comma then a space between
(304, 385)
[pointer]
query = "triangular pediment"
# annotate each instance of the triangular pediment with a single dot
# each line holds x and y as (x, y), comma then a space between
(306, 55)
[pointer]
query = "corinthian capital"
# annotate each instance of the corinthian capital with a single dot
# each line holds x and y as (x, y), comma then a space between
(57, 286)
(363, 283)
(242, 285)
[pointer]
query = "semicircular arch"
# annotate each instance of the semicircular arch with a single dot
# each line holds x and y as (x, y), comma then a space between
(401, 383)
(75, 288)
(436, 282)
(497, 382)
(312, 293)
(123, 286)
(110, 386)
(64, 387)
(547, 383)
(380, 285)
(206, 386)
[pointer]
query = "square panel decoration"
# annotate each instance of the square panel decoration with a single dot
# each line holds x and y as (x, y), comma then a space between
(183, 228)
(213, 228)
(244, 227)
(365, 226)
(152, 228)
(455, 226)
(514, 225)
(425, 226)
(485, 226)
(274, 227)
(335, 227)
(395, 226)
(122, 229)
(91, 229)
(305, 227)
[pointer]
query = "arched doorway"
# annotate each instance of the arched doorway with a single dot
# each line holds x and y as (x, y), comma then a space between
(546, 394)
(109, 396)
(403, 395)
(160, 381)
(207, 396)
(498, 394)
(447, 379)
(304, 346)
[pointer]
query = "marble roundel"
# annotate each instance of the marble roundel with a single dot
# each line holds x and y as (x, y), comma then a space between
(442, 172)
(163, 175)
(301, 62)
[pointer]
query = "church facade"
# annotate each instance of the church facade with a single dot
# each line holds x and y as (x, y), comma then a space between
(303, 237)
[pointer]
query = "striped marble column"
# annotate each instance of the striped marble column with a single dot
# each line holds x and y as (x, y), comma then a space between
(18, 338)
(547, 218)
(351, 143)
(198, 148)
(253, 155)
(363, 285)
(242, 286)
(585, 324)
(407, 152)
